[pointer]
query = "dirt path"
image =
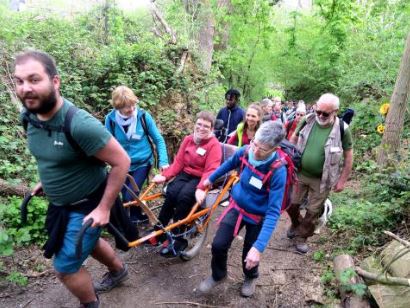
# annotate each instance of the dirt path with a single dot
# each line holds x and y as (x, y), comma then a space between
(287, 279)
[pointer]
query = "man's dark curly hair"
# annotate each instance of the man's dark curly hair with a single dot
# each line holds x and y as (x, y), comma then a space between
(233, 92)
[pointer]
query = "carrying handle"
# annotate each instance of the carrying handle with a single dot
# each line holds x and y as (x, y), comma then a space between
(85, 226)
(23, 208)
(79, 238)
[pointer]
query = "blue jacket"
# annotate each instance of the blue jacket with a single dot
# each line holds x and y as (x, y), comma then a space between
(254, 200)
(139, 149)
(231, 117)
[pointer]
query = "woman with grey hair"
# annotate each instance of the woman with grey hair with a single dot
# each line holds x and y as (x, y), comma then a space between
(255, 203)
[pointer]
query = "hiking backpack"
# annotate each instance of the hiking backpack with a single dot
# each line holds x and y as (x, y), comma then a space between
(347, 115)
(285, 159)
(65, 128)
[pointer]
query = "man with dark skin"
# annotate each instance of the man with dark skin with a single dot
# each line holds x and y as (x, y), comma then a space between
(38, 87)
(231, 115)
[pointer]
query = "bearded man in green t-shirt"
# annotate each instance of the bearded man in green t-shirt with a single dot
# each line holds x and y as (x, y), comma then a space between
(323, 141)
(75, 182)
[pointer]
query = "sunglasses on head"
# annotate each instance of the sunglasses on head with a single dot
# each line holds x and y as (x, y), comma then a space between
(323, 114)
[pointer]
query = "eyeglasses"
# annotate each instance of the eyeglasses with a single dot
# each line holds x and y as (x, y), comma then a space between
(256, 146)
(323, 114)
(202, 125)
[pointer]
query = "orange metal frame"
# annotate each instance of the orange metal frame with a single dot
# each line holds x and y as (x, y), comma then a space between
(189, 220)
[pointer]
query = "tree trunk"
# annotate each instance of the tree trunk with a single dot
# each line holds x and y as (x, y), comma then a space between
(224, 26)
(397, 111)
(342, 263)
(206, 36)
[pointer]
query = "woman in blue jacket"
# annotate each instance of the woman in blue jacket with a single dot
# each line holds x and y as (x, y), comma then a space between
(255, 203)
(132, 127)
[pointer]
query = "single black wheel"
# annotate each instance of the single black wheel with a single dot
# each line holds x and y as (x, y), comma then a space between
(195, 243)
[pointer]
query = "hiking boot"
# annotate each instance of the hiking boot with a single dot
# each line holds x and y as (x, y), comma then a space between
(248, 287)
(291, 232)
(301, 246)
(179, 246)
(111, 280)
(208, 284)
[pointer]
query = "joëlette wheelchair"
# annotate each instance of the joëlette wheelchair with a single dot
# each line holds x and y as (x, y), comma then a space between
(196, 223)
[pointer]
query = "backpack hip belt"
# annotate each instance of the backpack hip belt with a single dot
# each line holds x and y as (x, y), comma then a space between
(232, 205)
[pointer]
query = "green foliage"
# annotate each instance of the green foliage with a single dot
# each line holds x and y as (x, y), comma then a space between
(6, 245)
(381, 203)
(327, 277)
(33, 231)
(318, 256)
(17, 278)
(357, 288)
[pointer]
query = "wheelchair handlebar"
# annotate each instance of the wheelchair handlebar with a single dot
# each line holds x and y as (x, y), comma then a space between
(79, 238)
(23, 208)
(80, 235)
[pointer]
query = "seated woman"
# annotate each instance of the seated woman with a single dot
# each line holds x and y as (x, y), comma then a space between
(132, 127)
(198, 156)
(246, 130)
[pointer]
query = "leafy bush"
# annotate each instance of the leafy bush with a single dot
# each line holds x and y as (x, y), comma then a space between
(33, 231)
(381, 203)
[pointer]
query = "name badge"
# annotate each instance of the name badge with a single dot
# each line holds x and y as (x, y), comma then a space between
(334, 150)
(255, 182)
(135, 137)
(201, 151)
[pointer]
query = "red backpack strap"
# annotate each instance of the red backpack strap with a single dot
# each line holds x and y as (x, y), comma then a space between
(245, 162)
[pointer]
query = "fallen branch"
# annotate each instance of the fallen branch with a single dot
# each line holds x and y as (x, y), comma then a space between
(390, 280)
(397, 238)
(158, 16)
(9, 189)
(186, 303)
(36, 275)
(281, 249)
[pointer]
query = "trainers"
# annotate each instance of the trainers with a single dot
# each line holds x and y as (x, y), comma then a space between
(248, 287)
(301, 246)
(111, 280)
(291, 232)
(208, 284)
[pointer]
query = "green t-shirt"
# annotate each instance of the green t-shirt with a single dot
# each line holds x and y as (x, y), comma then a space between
(313, 157)
(67, 176)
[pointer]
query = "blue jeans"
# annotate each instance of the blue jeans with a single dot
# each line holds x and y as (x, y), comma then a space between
(140, 175)
(65, 261)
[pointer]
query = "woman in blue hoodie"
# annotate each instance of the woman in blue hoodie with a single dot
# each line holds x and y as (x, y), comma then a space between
(132, 127)
(255, 203)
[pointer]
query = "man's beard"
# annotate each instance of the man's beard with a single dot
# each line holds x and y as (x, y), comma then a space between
(46, 103)
(326, 122)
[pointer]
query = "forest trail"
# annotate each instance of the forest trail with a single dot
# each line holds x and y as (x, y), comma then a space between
(287, 279)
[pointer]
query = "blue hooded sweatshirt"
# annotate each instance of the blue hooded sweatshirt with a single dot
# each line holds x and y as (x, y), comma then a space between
(253, 200)
(138, 147)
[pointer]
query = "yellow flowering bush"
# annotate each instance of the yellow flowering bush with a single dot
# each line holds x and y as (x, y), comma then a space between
(384, 109)
(380, 128)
